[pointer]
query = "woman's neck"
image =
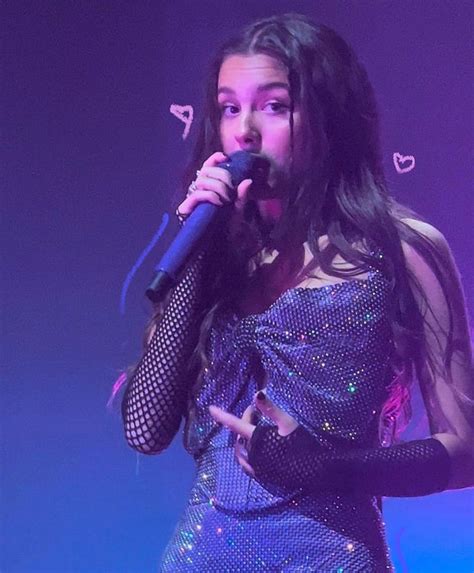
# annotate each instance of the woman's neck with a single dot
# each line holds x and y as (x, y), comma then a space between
(270, 209)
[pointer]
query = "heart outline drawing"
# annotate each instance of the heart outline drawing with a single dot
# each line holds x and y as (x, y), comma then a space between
(398, 159)
(184, 113)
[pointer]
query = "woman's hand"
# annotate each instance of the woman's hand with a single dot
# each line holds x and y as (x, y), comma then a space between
(244, 428)
(213, 184)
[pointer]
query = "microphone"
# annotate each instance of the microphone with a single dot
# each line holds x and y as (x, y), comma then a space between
(241, 165)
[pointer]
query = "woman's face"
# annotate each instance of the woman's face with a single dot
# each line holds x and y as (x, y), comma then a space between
(253, 96)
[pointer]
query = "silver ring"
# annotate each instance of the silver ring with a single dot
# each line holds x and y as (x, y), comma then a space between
(191, 188)
(181, 216)
(198, 172)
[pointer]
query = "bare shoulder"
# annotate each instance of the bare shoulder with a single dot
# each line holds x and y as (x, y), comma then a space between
(439, 247)
(438, 289)
(428, 231)
(423, 227)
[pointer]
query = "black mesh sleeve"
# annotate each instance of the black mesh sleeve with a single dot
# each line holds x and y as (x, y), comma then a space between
(298, 461)
(155, 399)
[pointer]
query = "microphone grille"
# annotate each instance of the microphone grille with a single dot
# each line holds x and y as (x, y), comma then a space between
(243, 164)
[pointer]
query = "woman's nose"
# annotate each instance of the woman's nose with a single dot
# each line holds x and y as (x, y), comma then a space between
(248, 135)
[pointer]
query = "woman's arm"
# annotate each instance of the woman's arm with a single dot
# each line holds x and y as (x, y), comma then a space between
(155, 398)
(448, 396)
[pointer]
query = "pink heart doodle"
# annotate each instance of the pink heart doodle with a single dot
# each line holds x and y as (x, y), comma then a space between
(184, 113)
(398, 159)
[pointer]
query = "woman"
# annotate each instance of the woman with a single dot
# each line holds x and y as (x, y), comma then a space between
(291, 340)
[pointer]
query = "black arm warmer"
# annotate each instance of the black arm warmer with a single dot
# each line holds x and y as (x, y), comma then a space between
(298, 461)
(155, 398)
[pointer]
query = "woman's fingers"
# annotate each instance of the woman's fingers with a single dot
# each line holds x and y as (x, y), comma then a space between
(235, 424)
(242, 194)
(285, 423)
(215, 159)
(212, 185)
(217, 173)
(191, 202)
(205, 182)
(246, 466)
(242, 428)
(241, 443)
(248, 414)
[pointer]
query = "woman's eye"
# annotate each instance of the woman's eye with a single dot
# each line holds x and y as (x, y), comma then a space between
(229, 109)
(276, 107)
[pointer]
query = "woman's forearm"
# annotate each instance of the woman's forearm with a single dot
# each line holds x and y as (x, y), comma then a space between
(155, 398)
(297, 461)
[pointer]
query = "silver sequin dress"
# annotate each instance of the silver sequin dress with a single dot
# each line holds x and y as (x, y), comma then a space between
(326, 356)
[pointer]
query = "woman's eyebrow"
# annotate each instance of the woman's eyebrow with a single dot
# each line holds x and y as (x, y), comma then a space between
(260, 88)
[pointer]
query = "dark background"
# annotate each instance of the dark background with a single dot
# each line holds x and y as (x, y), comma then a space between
(90, 156)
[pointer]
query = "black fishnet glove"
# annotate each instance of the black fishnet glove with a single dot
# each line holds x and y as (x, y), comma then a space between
(155, 399)
(297, 461)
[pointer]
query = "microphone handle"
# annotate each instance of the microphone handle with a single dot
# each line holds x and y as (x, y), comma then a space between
(184, 244)
(240, 165)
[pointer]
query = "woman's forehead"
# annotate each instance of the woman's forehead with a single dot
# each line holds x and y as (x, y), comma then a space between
(253, 68)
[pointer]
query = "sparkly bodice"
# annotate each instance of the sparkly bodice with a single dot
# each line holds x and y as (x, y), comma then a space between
(324, 355)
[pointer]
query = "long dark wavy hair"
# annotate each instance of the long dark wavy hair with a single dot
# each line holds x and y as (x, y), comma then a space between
(343, 195)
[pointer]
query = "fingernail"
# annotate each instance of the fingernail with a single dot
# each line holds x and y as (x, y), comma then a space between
(261, 395)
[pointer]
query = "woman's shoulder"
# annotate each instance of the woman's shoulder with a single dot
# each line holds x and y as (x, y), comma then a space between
(431, 263)
(427, 230)
(429, 234)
